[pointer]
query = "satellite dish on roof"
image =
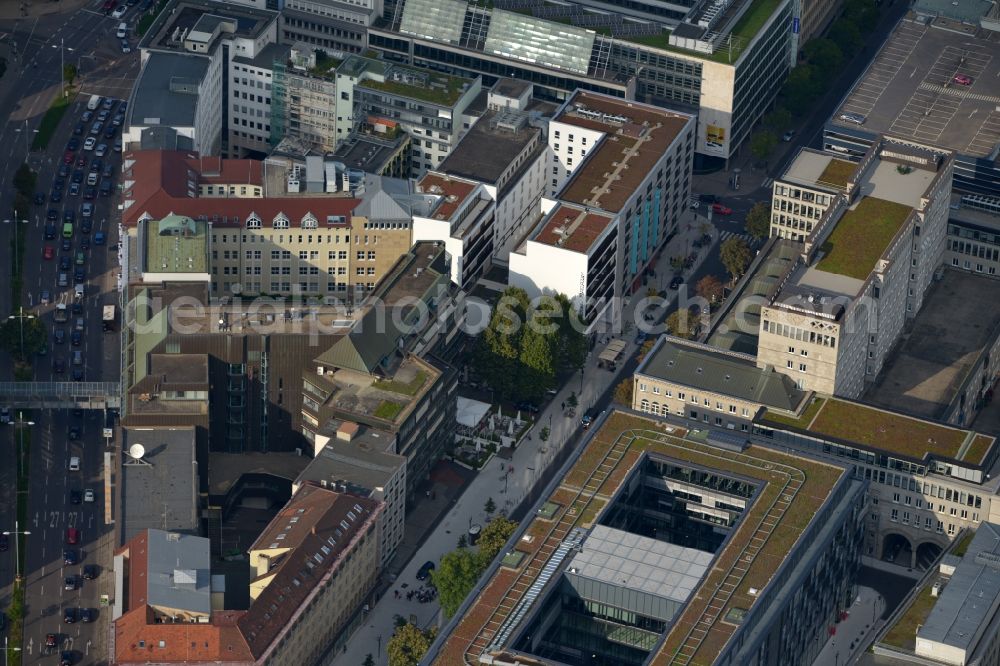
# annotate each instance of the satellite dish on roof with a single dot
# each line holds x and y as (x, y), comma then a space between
(137, 451)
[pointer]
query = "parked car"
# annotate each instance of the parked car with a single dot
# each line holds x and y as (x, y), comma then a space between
(119, 12)
(75, 497)
(59, 366)
(46, 297)
(60, 336)
(99, 238)
(676, 282)
(73, 433)
(126, 48)
(96, 128)
(89, 143)
(48, 252)
(69, 615)
(50, 640)
(73, 534)
(425, 570)
(787, 136)
(70, 556)
(69, 583)
(89, 193)
(719, 209)
(74, 189)
(63, 170)
(76, 338)
(88, 495)
(855, 118)
(962, 79)
(78, 129)
(87, 614)
(87, 116)
(90, 572)
(101, 150)
(66, 658)
(77, 176)
(586, 421)
(64, 263)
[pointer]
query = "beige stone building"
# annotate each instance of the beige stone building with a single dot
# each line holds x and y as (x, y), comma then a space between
(263, 236)
(801, 196)
(864, 266)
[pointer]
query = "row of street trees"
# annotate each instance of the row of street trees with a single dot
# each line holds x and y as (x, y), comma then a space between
(527, 346)
(823, 58)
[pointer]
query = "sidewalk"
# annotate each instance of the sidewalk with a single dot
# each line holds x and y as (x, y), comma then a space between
(853, 633)
(506, 481)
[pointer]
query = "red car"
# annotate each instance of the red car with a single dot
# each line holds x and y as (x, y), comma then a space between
(68, 158)
(109, 5)
(719, 209)
(48, 252)
(962, 80)
(72, 536)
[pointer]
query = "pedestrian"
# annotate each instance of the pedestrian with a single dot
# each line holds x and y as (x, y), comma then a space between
(564, 406)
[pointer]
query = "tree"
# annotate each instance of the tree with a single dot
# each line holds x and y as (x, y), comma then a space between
(709, 288)
(845, 34)
(778, 120)
(623, 392)
(409, 645)
(572, 400)
(544, 434)
(735, 255)
(801, 90)
(69, 73)
(34, 333)
(538, 370)
(490, 506)
(681, 324)
(455, 577)
(762, 144)
(647, 347)
(758, 220)
(463, 540)
(862, 13)
(369, 660)
(825, 56)
(493, 537)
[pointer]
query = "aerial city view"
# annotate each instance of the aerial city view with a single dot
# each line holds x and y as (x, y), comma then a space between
(500, 332)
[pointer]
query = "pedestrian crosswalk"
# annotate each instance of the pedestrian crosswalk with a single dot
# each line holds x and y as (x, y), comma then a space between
(747, 238)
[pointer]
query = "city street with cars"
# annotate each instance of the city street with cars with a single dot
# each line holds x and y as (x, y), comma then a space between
(69, 274)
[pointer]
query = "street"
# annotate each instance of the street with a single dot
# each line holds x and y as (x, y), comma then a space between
(36, 48)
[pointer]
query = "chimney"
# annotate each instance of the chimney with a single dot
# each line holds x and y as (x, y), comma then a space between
(347, 431)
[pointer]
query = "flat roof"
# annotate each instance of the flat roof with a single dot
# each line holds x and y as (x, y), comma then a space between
(178, 572)
(161, 494)
(908, 91)
(366, 462)
(367, 152)
(924, 376)
(882, 430)
(968, 601)
(706, 368)
(226, 469)
(488, 148)
(425, 85)
(156, 99)
(636, 562)
(862, 235)
(453, 192)
(176, 244)
(614, 169)
(603, 466)
(267, 56)
(194, 15)
(573, 228)
(814, 168)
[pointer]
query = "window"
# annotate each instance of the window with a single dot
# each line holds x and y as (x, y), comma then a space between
(309, 221)
(791, 365)
(360, 255)
(253, 222)
(642, 388)
(280, 221)
(802, 367)
(894, 516)
(805, 352)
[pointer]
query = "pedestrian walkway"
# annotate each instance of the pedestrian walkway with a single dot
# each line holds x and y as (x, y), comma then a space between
(849, 637)
(507, 481)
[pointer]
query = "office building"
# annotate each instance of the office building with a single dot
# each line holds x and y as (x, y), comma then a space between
(653, 544)
(973, 242)
(619, 182)
(329, 25)
(951, 618)
(866, 262)
(348, 457)
(204, 77)
(723, 63)
(697, 382)
(427, 105)
(908, 91)
(384, 373)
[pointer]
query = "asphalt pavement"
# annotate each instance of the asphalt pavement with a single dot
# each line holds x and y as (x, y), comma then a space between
(85, 37)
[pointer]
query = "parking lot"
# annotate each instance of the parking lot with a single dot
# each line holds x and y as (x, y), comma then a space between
(936, 83)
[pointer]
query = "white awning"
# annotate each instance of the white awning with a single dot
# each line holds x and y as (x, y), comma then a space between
(470, 412)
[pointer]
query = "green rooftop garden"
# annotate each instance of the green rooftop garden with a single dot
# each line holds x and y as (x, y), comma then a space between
(441, 89)
(409, 388)
(904, 633)
(963, 545)
(797, 422)
(745, 30)
(326, 66)
(837, 173)
(388, 410)
(861, 236)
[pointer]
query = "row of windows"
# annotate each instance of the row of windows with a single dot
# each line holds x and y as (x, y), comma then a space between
(693, 399)
(974, 250)
(334, 239)
(800, 334)
(967, 265)
(304, 287)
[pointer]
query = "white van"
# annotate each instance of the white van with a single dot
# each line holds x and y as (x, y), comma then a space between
(74, 464)
(122, 30)
(78, 291)
(95, 101)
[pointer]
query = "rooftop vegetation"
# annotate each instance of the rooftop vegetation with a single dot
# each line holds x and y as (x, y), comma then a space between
(861, 237)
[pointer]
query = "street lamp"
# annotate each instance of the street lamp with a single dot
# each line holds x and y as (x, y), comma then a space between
(27, 137)
(21, 317)
(62, 61)
(20, 442)
(6, 649)
(17, 549)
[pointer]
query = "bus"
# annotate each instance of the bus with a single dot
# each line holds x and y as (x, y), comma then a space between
(108, 317)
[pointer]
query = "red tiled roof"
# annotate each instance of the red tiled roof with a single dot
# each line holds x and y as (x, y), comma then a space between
(215, 170)
(453, 192)
(138, 640)
(581, 234)
(138, 561)
(159, 186)
(312, 520)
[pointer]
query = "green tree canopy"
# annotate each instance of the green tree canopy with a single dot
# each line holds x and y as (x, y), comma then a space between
(493, 537)
(762, 144)
(35, 337)
(490, 506)
(69, 73)
(778, 120)
(758, 222)
(25, 180)
(801, 89)
(409, 645)
(846, 35)
(735, 255)
(862, 13)
(455, 577)
(825, 56)
(623, 392)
